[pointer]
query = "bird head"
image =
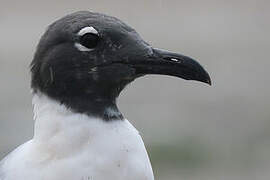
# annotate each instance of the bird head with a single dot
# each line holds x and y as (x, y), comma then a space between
(85, 59)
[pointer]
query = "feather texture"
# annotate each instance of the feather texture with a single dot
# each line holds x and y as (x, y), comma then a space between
(73, 146)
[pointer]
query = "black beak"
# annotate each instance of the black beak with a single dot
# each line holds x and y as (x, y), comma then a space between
(173, 64)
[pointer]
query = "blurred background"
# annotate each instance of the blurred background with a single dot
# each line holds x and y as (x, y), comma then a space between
(192, 131)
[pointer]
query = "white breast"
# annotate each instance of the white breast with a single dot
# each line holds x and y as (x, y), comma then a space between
(72, 146)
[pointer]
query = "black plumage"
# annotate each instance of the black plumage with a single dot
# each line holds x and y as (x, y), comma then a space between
(90, 81)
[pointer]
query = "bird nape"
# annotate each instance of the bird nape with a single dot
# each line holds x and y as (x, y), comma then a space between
(82, 63)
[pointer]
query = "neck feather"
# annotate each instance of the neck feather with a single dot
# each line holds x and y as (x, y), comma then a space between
(102, 108)
(48, 113)
(59, 131)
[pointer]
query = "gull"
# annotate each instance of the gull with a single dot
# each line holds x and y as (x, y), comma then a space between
(82, 63)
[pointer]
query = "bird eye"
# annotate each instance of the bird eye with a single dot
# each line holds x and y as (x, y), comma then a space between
(89, 40)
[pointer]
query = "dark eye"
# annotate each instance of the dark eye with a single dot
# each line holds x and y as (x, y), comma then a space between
(89, 40)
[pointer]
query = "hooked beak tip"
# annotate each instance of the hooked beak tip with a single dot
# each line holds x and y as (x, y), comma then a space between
(208, 81)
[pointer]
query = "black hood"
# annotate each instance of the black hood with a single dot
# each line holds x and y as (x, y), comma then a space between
(85, 59)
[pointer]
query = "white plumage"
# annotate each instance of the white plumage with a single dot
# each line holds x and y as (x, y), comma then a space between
(73, 146)
(88, 78)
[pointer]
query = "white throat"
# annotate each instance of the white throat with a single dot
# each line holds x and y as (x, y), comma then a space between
(63, 131)
(68, 145)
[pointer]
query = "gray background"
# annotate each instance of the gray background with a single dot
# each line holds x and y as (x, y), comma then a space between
(192, 131)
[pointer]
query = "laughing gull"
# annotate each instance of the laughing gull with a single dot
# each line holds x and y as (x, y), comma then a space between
(82, 63)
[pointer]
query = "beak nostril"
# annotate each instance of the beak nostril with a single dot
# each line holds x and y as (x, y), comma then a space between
(94, 69)
(172, 59)
(175, 60)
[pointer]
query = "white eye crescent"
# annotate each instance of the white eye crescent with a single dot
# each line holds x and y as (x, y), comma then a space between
(81, 47)
(89, 29)
(86, 31)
